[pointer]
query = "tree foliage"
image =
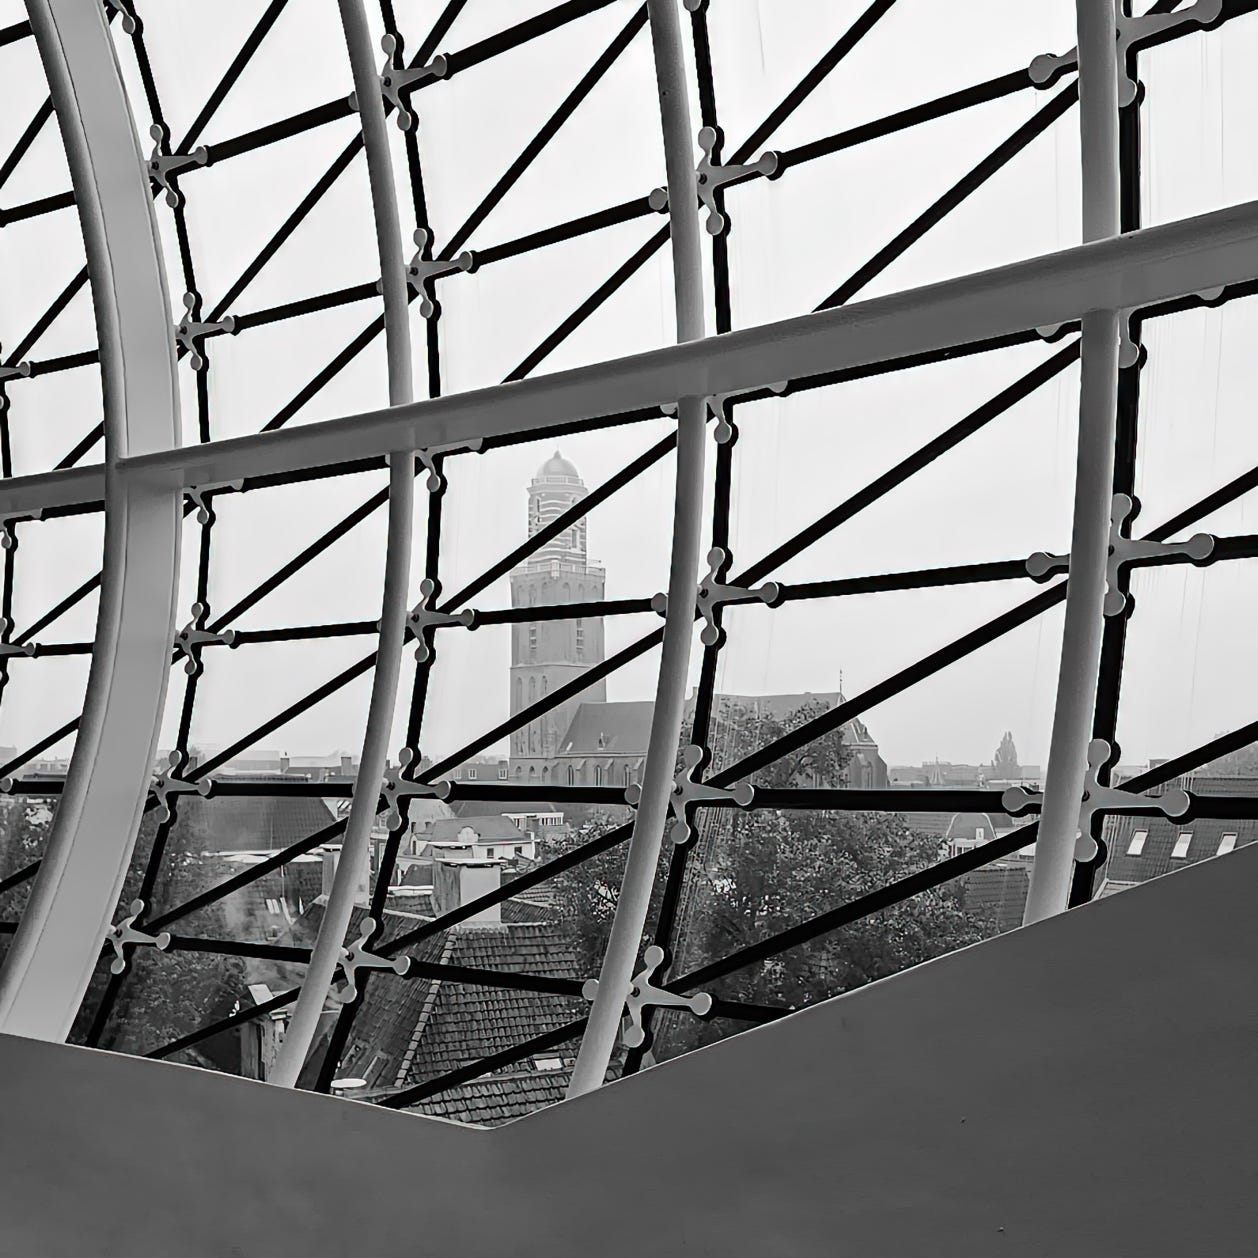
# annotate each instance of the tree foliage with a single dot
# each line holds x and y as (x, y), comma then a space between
(164, 994)
(754, 874)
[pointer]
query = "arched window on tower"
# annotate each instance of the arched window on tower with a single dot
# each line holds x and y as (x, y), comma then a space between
(628, 776)
(572, 776)
(532, 691)
(598, 775)
(519, 694)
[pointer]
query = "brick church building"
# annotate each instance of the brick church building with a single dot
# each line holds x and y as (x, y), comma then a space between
(586, 739)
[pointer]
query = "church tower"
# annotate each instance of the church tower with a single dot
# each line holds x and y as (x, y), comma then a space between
(548, 654)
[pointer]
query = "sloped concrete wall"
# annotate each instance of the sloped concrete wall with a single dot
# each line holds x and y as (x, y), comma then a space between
(1083, 1087)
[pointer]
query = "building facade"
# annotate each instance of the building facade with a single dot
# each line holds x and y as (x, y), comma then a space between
(548, 654)
(586, 740)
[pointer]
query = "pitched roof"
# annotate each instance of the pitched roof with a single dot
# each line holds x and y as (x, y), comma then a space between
(611, 729)
(410, 1030)
(486, 829)
(959, 824)
(997, 892)
(1157, 854)
(249, 823)
(292, 887)
(499, 1098)
(975, 825)
(513, 807)
(623, 729)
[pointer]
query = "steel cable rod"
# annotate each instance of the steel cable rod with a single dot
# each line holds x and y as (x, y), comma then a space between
(15, 32)
(922, 881)
(37, 208)
(566, 108)
(331, 111)
(333, 368)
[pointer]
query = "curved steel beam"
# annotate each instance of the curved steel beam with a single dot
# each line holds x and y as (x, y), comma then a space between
(1094, 480)
(63, 929)
(356, 845)
(616, 976)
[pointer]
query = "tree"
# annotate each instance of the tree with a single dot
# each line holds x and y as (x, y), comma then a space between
(24, 825)
(1242, 763)
(165, 994)
(753, 874)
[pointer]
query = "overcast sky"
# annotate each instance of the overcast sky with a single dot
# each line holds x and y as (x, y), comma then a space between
(1006, 492)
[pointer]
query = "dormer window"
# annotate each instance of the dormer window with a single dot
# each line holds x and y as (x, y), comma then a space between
(1226, 844)
(1180, 851)
(1136, 846)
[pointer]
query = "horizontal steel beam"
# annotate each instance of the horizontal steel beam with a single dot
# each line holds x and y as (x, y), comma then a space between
(1152, 265)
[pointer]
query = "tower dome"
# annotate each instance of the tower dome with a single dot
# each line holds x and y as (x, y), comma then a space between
(557, 467)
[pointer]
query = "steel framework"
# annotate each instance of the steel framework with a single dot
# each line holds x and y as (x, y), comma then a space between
(1120, 277)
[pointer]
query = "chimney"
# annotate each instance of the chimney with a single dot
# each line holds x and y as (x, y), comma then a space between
(347, 766)
(456, 883)
(283, 764)
(261, 1038)
(331, 858)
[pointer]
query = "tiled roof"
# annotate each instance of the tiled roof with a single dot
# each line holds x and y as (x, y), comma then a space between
(997, 892)
(498, 1098)
(249, 823)
(1156, 855)
(411, 1030)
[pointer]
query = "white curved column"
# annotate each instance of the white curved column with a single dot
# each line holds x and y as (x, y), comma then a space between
(63, 929)
(620, 959)
(1094, 479)
(356, 845)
